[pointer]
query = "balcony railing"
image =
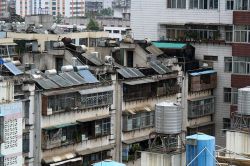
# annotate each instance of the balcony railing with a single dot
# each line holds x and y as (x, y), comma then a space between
(201, 108)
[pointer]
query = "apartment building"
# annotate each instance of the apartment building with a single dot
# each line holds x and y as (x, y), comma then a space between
(63, 8)
(4, 8)
(217, 30)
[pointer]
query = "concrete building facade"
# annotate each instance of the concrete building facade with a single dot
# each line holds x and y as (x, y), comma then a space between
(215, 28)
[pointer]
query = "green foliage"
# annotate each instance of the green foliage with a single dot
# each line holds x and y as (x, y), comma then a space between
(107, 12)
(93, 25)
(59, 19)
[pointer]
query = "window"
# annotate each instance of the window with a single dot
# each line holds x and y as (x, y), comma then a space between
(226, 123)
(210, 58)
(227, 95)
(203, 4)
(116, 31)
(228, 64)
(198, 108)
(138, 121)
(241, 65)
(181, 4)
(229, 4)
(231, 95)
(229, 33)
(242, 33)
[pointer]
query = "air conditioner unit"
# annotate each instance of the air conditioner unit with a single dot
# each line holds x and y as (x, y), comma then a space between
(49, 111)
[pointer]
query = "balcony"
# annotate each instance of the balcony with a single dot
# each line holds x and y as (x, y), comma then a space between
(144, 90)
(84, 99)
(201, 107)
(73, 133)
(202, 80)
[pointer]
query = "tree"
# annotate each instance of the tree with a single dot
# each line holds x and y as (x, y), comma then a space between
(59, 18)
(93, 25)
(107, 12)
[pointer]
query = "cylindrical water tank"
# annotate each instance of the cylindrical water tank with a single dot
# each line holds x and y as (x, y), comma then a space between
(168, 118)
(50, 72)
(85, 67)
(243, 101)
(58, 44)
(67, 68)
(203, 144)
(81, 48)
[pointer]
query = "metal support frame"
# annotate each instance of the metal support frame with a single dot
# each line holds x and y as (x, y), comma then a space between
(166, 143)
(241, 122)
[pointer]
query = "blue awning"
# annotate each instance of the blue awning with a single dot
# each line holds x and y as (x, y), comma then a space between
(108, 163)
(88, 76)
(202, 72)
(12, 68)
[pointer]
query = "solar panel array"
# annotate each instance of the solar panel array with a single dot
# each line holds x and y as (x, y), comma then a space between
(159, 67)
(12, 68)
(127, 72)
(66, 79)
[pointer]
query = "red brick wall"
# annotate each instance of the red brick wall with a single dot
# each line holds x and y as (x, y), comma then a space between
(240, 49)
(240, 81)
(241, 18)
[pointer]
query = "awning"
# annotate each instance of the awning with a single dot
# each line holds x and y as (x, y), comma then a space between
(202, 72)
(58, 158)
(139, 109)
(201, 98)
(166, 45)
(141, 81)
(135, 140)
(93, 118)
(12, 68)
(95, 150)
(96, 90)
(67, 161)
(8, 44)
(59, 126)
(201, 125)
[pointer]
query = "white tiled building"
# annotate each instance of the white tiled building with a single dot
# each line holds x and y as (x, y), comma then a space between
(217, 30)
(67, 8)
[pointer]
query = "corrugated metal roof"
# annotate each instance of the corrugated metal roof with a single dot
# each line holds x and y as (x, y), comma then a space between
(203, 72)
(134, 140)
(130, 72)
(60, 126)
(93, 118)
(96, 90)
(59, 80)
(88, 76)
(12, 68)
(159, 67)
(95, 150)
(169, 45)
(141, 81)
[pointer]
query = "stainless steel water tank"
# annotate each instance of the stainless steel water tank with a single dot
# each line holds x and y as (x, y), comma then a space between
(168, 118)
(244, 101)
